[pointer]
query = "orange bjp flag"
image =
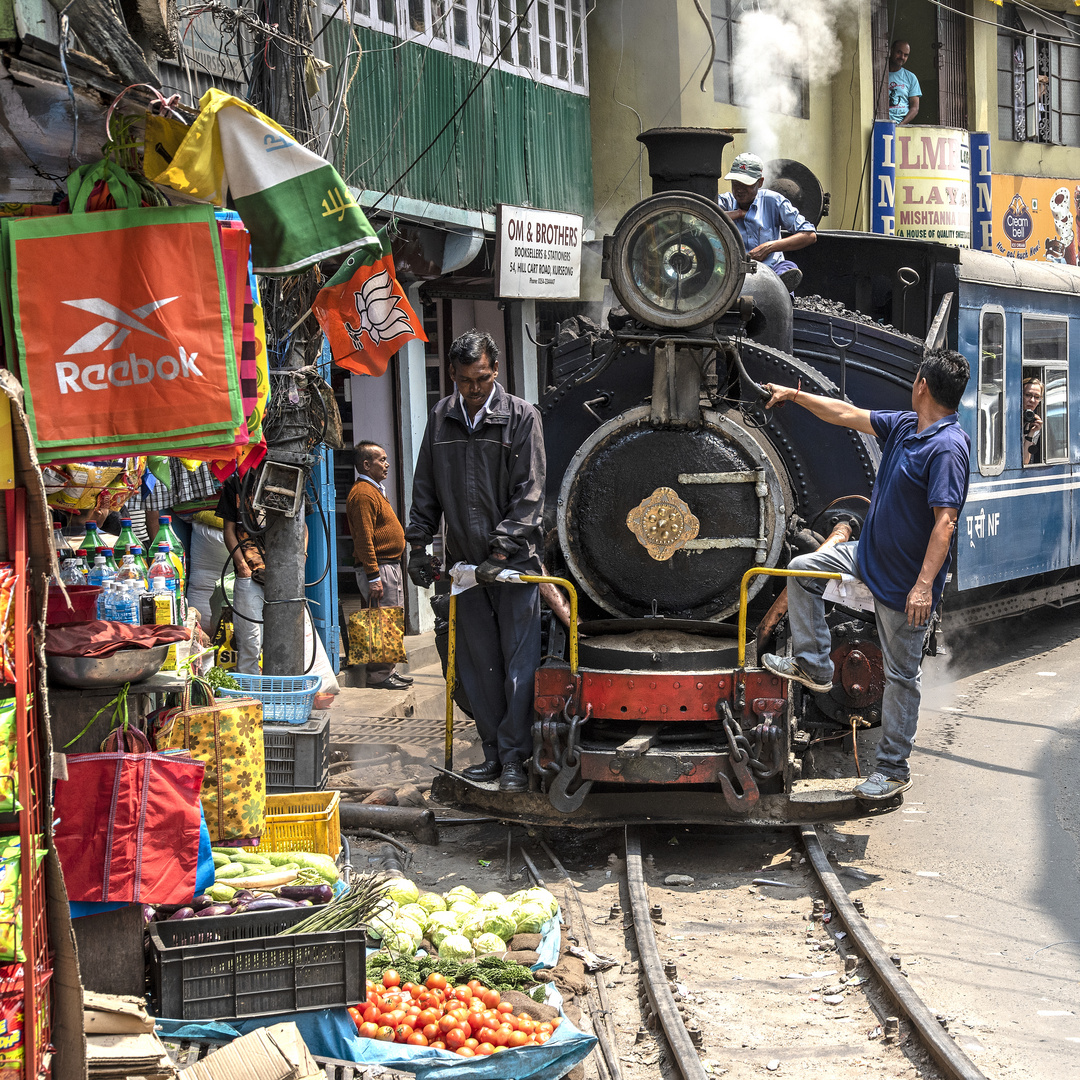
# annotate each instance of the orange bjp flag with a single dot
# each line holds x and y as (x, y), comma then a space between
(364, 314)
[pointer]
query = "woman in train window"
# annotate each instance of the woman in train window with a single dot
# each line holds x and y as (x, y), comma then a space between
(1032, 392)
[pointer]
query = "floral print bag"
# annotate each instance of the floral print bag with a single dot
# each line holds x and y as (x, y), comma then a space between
(228, 736)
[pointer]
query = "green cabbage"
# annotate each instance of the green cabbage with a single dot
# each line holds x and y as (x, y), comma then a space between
(401, 943)
(473, 925)
(461, 908)
(414, 912)
(491, 900)
(438, 935)
(402, 925)
(542, 897)
(455, 947)
(445, 921)
(531, 919)
(431, 901)
(460, 892)
(401, 890)
(502, 923)
(381, 925)
(489, 943)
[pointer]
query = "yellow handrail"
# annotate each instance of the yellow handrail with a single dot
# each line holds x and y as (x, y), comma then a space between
(769, 572)
(451, 651)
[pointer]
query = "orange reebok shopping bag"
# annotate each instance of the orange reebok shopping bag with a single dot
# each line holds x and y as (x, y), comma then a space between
(122, 326)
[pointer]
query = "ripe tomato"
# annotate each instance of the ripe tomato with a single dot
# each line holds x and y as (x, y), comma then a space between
(505, 1007)
(372, 1012)
(398, 1016)
(448, 1023)
(544, 1028)
(431, 1032)
(466, 1027)
(459, 1014)
(518, 1038)
(486, 1034)
(435, 981)
(391, 978)
(370, 986)
(541, 1037)
(427, 1016)
(437, 1044)
(499, 1049)
(455, 1038)
(465, 1051)
(385, 1033)
(411, 989)
(527, 1026)
(523, 1016)
(501, 1037)
(491, 998)
(414, 1011)
(485, 1049)
(416, 1039)
(368, 1031)
(463, 993)
(555, 1022)
(472, 1043)
(402, 1032)
(477, 987)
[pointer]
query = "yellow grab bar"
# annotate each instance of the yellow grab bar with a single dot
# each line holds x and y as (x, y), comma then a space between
(451, 650)
(769, 572)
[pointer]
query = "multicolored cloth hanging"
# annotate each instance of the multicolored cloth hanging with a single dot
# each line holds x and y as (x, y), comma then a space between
(298, 209)
(364, 314)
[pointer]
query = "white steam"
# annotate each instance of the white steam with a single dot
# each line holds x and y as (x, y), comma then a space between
(782, 46)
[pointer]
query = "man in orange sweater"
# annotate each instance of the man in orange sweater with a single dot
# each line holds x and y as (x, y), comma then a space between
(378, 542)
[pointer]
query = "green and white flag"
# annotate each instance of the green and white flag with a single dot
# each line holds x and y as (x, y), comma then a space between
(293, 202)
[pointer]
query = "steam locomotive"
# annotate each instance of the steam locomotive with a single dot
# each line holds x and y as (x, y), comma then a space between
(675, 500)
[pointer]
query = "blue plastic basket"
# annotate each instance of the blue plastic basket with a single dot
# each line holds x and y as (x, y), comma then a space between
(286, 699)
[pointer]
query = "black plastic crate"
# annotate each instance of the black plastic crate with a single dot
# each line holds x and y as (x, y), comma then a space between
(234, 966)
(297, 755)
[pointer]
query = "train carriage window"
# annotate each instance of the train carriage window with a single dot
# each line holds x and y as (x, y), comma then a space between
(991, 403)
(1045, 391)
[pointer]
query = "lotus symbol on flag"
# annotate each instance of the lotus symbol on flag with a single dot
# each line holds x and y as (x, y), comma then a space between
(380, 317)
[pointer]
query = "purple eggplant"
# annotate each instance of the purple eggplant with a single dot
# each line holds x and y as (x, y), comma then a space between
(181, 913)
(215, 909)
(317, 894)
(202, 901)
(148, 914)
(243, 896)
(269, 903)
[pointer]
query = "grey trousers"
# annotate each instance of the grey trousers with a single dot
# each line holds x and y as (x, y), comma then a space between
(901, 649)
(393, 596)
(498, 652)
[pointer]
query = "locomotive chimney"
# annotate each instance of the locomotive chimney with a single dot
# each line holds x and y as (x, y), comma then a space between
(686, 159)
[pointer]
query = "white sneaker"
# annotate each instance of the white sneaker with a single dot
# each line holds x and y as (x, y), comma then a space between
(878, 787)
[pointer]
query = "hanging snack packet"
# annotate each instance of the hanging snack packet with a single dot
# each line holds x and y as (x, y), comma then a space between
(8, 581)
(9, 767)
(11, 914)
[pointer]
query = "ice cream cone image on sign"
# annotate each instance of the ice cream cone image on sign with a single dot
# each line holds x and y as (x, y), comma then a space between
(1061, 208)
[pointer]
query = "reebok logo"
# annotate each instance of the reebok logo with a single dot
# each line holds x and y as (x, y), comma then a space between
(112, 333)
(134, 371)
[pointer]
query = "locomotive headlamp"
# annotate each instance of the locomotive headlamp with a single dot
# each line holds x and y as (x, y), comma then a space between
(676, 261)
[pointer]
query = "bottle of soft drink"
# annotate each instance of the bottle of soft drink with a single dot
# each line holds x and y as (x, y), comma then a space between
(140, 561)
(110, 559)
(166, 535)
(91, 541)
(59, 542)
(126, 540)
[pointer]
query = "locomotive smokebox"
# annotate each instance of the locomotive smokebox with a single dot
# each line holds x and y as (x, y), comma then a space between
(686, 159)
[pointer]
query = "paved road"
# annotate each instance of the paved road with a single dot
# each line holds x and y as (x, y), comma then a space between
(976, 881)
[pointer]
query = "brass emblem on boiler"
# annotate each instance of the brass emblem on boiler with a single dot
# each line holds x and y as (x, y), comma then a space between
(662, 523)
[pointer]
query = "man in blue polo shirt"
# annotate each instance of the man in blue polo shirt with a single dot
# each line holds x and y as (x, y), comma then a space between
(760, 214)
(902, 555)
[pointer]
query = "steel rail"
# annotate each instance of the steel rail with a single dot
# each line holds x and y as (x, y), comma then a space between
(941, 1046)
(656, 982)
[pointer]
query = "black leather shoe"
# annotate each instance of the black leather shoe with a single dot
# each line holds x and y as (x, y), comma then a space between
(513, 777)
(488, 770)
(404, 678)
(391, 683)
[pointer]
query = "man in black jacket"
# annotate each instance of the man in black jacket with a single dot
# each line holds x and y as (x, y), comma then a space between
(482, 470)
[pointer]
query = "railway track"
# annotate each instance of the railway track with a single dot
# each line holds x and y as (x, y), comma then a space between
(677, 1017)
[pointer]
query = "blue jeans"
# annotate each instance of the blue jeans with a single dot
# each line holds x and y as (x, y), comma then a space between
(901, 649)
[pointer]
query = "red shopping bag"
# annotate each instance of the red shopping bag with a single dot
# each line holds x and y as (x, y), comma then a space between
(128, 827)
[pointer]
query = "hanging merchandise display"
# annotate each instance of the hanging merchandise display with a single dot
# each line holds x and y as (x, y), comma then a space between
(364, 314)
(298, 209)
(158, 321)
(78, 486)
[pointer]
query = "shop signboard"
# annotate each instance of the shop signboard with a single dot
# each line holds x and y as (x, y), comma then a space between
(537, 254)
(922, 183)
(1035, 217)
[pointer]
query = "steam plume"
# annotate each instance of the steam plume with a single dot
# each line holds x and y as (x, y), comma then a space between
(777, 43)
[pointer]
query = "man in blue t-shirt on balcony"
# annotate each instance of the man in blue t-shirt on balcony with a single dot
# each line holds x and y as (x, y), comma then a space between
(904, 89)
(902, 554)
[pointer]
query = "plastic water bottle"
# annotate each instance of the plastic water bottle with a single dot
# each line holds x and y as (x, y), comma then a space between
(124, 598)
(72, 571)
(129, 572)
(126, 540)
(101, 574)
(164, 568)
(59, 542)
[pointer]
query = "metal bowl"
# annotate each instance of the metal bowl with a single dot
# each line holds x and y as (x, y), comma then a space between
(87, 672)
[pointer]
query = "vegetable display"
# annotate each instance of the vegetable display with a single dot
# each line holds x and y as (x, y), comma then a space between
(467, 1018)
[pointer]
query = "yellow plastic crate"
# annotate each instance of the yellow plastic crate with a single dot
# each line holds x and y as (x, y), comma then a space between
(303, 821)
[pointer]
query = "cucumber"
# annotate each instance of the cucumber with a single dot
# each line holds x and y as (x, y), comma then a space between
(230, 870)
(220, 858)
(220, 892)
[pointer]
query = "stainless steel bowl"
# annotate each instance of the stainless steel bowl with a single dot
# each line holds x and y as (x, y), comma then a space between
(87, 672)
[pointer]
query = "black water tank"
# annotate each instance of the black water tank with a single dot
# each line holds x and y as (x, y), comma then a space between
(686, 159)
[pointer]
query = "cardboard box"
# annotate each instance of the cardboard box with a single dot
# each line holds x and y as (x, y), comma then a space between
(268, 1053)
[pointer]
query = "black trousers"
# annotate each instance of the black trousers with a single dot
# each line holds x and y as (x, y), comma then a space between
(498, 652)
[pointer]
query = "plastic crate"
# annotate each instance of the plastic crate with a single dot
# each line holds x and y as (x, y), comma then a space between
(235, 966)
(297, 755)
(286, 699)
(304, 821)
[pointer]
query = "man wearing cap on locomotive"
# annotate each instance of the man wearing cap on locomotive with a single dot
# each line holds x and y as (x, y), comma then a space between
(760, 214)
(902, 554)
(482, 469)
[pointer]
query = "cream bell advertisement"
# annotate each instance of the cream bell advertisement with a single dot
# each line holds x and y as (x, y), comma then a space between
(1035, 217)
